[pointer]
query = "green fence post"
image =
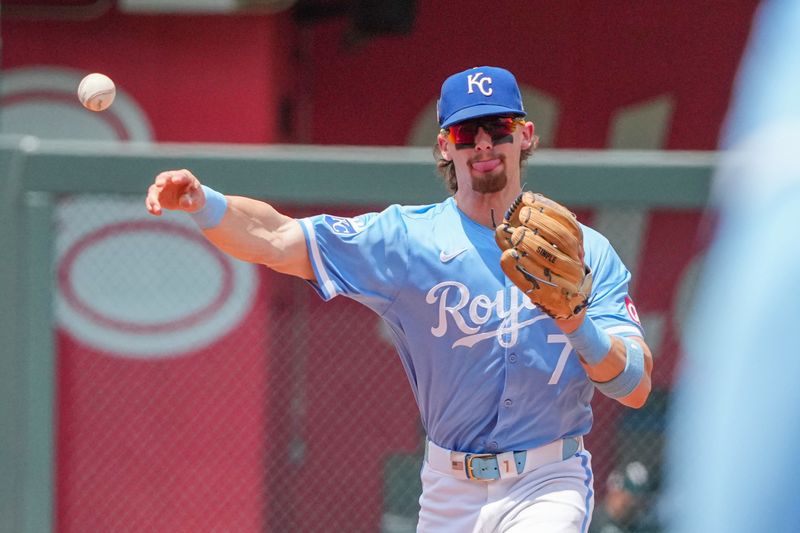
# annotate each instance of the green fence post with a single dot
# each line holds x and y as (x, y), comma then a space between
(39, 348)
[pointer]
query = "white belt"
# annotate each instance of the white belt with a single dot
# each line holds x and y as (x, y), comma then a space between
(490, 466)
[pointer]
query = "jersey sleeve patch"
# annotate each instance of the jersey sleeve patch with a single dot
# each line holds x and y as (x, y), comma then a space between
(631, 308)
(363, 257)
(344, 226)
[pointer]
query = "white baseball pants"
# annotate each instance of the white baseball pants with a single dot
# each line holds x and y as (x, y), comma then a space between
(554, 498)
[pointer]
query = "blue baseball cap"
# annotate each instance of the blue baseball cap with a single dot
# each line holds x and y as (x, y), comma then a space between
(478, 92)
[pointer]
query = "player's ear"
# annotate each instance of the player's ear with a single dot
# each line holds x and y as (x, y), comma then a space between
(443, 149)
(527, 135)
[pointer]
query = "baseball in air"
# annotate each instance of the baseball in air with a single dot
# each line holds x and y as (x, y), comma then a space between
(96, 92)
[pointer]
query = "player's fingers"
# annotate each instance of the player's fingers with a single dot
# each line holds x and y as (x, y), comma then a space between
(174, 189)
(162, 179)
(192, 197)
(182, 177)
(155, 210)
(171, 177)
(193, 187)
(151, 202)
(186, 201)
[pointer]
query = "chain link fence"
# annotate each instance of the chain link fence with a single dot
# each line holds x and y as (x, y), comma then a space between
(198, 393)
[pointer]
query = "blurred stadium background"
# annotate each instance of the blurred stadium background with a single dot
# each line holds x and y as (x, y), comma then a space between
(147, 383)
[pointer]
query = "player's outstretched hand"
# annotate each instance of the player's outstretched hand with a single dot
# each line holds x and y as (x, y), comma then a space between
(175, 190)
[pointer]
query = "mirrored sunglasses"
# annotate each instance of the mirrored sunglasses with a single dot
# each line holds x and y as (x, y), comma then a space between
(499, 129)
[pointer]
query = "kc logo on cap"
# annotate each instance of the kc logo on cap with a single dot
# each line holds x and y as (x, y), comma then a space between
(479, 80)
(478, 92)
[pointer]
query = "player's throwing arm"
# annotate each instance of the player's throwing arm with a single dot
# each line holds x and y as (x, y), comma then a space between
(247, 229)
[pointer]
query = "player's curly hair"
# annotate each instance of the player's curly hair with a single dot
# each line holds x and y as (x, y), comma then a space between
(448, 170)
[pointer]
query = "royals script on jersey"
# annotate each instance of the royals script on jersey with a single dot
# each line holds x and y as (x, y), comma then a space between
(490, 372)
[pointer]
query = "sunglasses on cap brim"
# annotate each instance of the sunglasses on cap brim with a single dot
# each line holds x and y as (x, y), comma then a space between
(500, 129)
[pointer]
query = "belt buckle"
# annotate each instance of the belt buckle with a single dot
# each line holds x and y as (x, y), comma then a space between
(471, 457)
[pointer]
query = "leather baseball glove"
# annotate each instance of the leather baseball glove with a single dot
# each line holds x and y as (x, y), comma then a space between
(542, 245)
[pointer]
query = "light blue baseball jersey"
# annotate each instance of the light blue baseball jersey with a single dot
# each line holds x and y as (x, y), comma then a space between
(490, 372)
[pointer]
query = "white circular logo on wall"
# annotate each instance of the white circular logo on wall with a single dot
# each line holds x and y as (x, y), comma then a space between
(129, 284)
(132, 285)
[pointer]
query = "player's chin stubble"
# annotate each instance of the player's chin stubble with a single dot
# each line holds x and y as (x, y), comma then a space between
(491, 182)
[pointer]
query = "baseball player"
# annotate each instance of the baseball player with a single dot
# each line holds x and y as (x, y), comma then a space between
(506, 312)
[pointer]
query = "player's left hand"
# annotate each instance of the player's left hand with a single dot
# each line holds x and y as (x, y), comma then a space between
(542, 245)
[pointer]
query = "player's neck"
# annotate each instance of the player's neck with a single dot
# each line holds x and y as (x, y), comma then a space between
(479, 206)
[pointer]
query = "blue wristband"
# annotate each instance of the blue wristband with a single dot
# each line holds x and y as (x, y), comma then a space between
(211, 214)
(591, 342)
(629, 379)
